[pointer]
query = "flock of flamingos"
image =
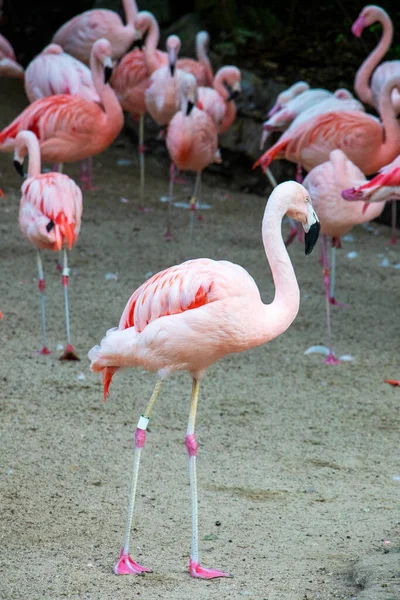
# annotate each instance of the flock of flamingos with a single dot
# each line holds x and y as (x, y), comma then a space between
(191, 315)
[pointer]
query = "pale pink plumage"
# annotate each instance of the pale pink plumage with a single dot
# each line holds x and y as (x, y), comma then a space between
(216, 101)
(54, 72)
(384, 186)
(286, 95)
(191, 315)
(366, 141)
(9, 67)
(70, 128)
(78, 35)
(372, 76)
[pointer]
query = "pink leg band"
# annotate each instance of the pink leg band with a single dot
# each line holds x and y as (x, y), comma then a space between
(191, 444)
(65, 280)
(140, 437)
(41, 285)
(142, 148)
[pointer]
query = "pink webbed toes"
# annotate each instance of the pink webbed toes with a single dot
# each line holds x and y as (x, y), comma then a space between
(127, 566)
(197, 571)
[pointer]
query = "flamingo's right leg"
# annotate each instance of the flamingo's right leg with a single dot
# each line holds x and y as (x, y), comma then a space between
(126, 565)
(330, 359)
(191, 446)
(41, 286)
(69, 352)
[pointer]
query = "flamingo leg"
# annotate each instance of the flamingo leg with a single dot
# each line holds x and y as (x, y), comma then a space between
(193, 202)
(330, 359)
(126, 565)
(69, 353)
(41, 285)
(394, 222)
(299, 173)
(332, 299)
(191, 446)
(167, 234)
(141, 158)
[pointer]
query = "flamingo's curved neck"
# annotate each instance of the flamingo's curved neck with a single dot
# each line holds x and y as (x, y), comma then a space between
(109, 100)
(32, 145)
(363, 75)
(218, 84)
(391, 144)
(202, 56)
(285, 305)
(150, 48)
(130, 10)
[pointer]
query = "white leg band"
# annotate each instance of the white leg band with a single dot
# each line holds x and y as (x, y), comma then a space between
(143, 422)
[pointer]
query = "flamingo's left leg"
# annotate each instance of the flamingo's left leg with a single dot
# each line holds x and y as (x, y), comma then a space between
(191, 446)
(69, 353)
(126, 565)
(330, 359)
(335, 244)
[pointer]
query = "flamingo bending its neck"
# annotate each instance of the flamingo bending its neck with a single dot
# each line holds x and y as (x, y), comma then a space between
(218, 100)
(9, 67)
(370, 78)
(78, 35)
(69, 127)
(49, 217)
(191, 315)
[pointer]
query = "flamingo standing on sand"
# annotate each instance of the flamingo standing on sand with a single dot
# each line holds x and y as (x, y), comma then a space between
(78, 35)
(49, 217)
(218, 100)
(367, 142)
(192, 141)
(369, 92)
(69, 127)
(191, 315)
(337, 217)
(9, 67)
(286, 95)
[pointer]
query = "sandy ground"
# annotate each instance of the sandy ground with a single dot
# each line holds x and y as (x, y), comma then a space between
(297, 460)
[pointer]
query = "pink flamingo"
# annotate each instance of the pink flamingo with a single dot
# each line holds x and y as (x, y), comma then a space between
(78, 35)
(191, 315)
(384, 186)
(9, 67)
(369, 70)
(192, 142)
(368, 142)
(218, 100)
(286, 95)
(325, 184)
(69, 127)
(49, 217)
(319, 100)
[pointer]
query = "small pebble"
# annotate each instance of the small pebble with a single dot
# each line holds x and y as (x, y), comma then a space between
(111, 276)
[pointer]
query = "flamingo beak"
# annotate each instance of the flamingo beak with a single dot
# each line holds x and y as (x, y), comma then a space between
(19, 164)
(358, 26)
(172, 57)
(264, 135)
(352, 194)
(108, 69)
(311, 228)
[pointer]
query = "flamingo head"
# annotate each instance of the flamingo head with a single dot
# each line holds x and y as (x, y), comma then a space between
(102, 53)
(232, 82)
(173, 47)
(368, 16)
(301, 209)
(276, 108)
(354, 193)
(142, 23)
(23, 139)
(343, 94)
(189, 93)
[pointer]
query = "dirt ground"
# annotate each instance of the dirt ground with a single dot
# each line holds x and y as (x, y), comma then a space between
(299, 472)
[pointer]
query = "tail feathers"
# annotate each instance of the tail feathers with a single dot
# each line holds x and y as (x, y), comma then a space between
(102, 358)
(66, 230)
(266, 159)
(108, 373)
(10, 132)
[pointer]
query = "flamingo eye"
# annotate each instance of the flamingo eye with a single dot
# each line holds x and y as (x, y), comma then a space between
(49, 226)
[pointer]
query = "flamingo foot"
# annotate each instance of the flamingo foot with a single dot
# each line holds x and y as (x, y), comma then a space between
(334, 302)
(331, 359)
(197, 571)
(393, 382)
(127, 566)
(69, 353)
(168, 236)
(393, 240)
(45, 350)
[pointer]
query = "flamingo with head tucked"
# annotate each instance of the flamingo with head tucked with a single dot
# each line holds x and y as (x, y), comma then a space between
(286, 95)
(9, 67)
(49, 217)
(371, 78)
(191, 315)
(218, 100)
(78, 35)
(70, 128)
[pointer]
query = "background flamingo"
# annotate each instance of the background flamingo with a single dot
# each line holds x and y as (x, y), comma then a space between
(368, 143)
(9, 67)
(218, 100)
(370, 78)
(49, 217)
(284, 97)
(337, 217)
(78, 35)
(191, 315)
(70, 128)
(192, 141)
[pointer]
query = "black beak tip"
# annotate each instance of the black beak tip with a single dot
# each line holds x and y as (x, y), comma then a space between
(50, 226)
(189, 107)
(311, 237)
(172, 69)
(19, 168)
(107, 74)
(233, 95)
